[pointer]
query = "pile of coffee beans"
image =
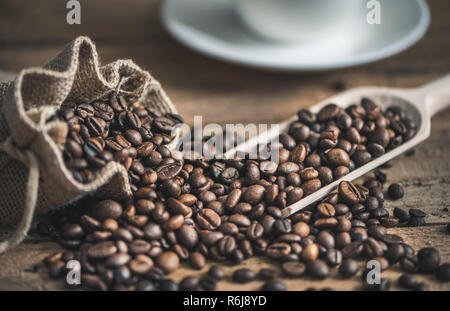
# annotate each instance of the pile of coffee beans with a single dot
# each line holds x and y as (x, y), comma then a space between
(192, 211)
(118, 130)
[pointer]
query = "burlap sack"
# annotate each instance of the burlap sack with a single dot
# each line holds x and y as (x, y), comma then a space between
(33, 176)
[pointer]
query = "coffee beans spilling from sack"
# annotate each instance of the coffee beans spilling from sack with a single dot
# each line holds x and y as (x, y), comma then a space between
(230, 210)
(116, 129)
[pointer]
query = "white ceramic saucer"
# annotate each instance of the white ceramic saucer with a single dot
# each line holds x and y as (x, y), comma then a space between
(212, 28)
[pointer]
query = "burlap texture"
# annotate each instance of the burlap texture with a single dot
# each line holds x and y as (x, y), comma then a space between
(28, 102)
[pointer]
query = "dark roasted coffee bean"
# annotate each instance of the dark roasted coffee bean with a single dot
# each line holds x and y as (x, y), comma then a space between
(273, 286)
(197, 260)
(267, 274)
(416, 222)
(168, 262)
(428, 259)
(408, 281)
(216, 272)
(293, 268)
(168, 285)
(395, 252)
(348, 268)
(443, 272)
(395, 191)
(243, 275)
(317, 269)
(408, 264)
(352, 250)
(349, 193)
(190, 283)
(107, 209)
(413, 212)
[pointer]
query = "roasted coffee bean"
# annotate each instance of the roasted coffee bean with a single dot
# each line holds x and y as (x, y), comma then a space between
(197, 260)
(428, 259)
(208, 284)
(349, 193)
(326, 210)
(352, 250)
(310, 252)
(168, 261)
(168, 170)
(208, 219)
(102, 250)
(413, 212)
(333, 257)
(267, 274)
(293, 268)
(273, 286)
(106, 209)
(216, 272)
(408, 281)
(187, 236)
(395, 191)
(416, 222)
(317, 269)
(168, 285)
(443, 272)
(395, 252)
(243, 275)
(189, 283)
(278, 250)
(408, 264)
(348, 268)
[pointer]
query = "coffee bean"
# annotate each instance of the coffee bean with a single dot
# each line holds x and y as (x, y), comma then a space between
(278, 250)
(349, 193)
(168, 262)
(348, 268)
(317, 269)
(333, 257)
(310, 252)
(267, 274)
(428, 259)
(413, 212)
(352, 250)
(326, 210)
(102, 250)
(216, 272)
(107, 209)
(395, 252)
(337, 156)
(395, 191)
(197, 260)
(408, 281)
(168, 285)
(243, 275)
(190, 283)
(273, 286)
(328, 112)
(443, 272)
(293, 268)
(187, 236)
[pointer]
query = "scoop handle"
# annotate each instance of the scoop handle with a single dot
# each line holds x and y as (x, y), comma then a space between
(436, 94)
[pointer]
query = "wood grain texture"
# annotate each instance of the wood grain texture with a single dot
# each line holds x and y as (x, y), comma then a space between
(31, 35)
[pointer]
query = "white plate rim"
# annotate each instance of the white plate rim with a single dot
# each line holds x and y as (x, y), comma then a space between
(204, 47)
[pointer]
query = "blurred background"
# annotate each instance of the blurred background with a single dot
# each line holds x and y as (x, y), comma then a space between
(32, 32)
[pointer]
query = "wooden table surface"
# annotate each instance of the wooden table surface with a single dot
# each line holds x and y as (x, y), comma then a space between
(30, 35)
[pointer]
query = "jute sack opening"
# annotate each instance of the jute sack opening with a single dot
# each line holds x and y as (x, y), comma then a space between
(33, 177)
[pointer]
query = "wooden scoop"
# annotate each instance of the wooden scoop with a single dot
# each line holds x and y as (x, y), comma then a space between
(420, 104)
